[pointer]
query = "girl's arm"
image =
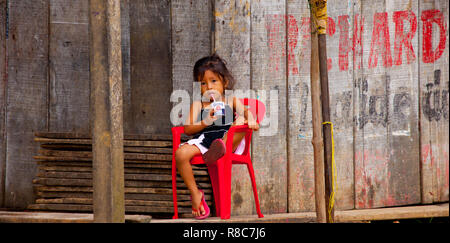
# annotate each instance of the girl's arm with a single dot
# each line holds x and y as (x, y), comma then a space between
(192, 127)
(241, 110)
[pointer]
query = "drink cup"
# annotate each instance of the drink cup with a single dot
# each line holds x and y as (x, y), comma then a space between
(219, 108)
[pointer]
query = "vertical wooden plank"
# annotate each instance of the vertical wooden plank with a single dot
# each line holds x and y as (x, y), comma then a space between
(106, 98)
(27, 48)
(69, 66)
(371, 185)
(434, 100)
(358, 98)
(341, 95)
(340, 73)
(268, 65)
(403, 131)
(232, 38)
(126, 75)
(300, 150)
(232, 43)
(105, 63)
(3, 76)
(191, 39)
(386, 167)
(151, 83)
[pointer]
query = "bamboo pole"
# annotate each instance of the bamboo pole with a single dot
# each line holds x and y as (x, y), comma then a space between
(326, 128)
(317, 139)
(319, 19)
(105, 57)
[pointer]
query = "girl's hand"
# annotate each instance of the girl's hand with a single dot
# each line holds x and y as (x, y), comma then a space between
(253, 125)
(210, 118)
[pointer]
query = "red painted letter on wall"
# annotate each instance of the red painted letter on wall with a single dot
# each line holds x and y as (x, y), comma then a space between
(380, 41)
(292, 42)
(331, 29)
(344, 42)
(275, 26)
(358, 28)
(428, 18)
(404, 39)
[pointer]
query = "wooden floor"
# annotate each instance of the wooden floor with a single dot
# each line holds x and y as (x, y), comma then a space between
(53, 217)
(360, 215)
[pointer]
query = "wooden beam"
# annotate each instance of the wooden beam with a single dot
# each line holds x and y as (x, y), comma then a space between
(106, 110)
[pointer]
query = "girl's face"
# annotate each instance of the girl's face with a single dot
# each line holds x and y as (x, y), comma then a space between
(212, 84)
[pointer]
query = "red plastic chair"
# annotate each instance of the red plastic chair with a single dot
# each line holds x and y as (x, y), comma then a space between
(220, 171)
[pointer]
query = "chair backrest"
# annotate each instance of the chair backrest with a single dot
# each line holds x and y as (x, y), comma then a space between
(256, 107)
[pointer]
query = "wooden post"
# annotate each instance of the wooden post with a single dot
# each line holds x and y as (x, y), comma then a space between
(106, 110)
(317, 140)
(319, 7)
(326, 127)
(319, 19)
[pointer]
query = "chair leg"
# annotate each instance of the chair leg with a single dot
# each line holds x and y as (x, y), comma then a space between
(255, 191)
(174, 191)
(224, 172)
(214, 176)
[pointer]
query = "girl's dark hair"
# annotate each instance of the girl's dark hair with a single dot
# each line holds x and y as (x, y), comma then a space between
(215, 64)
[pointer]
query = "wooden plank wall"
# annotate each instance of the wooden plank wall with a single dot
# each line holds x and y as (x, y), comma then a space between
(45, 79)
(3, 71)
(150, 59)
(268, 68)
(389, 107)
(232, 42)
(68, 66)
(388, 74)
(26, 95)
(434, 100)
(191, 39)
(341, 93)
(386, 173)
(301, 164)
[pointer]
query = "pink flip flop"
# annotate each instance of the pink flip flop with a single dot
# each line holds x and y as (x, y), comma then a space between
(215, 151)
(205, 206)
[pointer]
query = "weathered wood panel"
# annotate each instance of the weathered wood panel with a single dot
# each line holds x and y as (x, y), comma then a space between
(384, 89)
(192, 26)
(69, 66)
(268, 73)
(232, 43)
(151, 83)
(232, 38)
(358, 97)
(386, 168)
(126, 58)
(403, 128)
(300, 150)
(27, 50)
(3, 77)
(434, 99)
(340, 66)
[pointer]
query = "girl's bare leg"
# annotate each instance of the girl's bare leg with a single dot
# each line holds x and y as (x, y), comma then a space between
(183, 155)
(237, 138)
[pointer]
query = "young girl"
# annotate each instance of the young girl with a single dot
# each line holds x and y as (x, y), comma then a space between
(210, 130)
